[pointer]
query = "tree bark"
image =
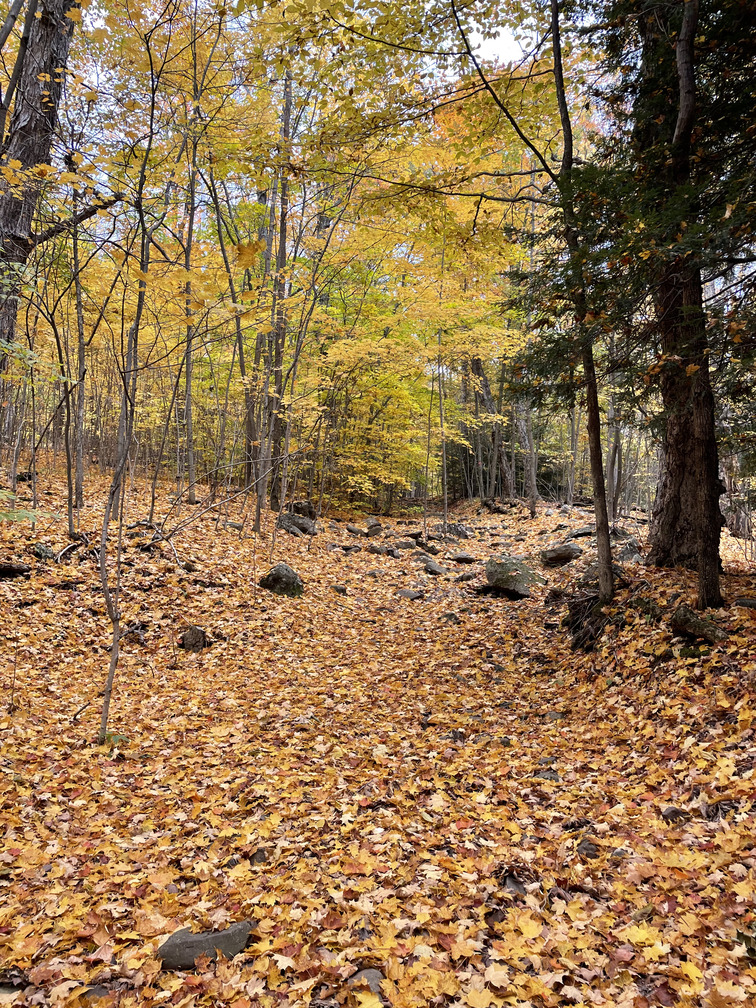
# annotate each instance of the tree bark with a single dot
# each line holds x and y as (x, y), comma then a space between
(500, 448)
(686, 520)
(29, 142)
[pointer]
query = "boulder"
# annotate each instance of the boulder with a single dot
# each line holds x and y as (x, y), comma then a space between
(590, 579)
(511, 576)
(405, 544)
(463, 557)
(304, 507)
(620, 534)
(429, 547)
(282, 580)
(630, 551)
(579, 533)
(194, 639)
(355, 530)
(455, 529)
(431, 567)
(296, 525)
(180, 951)
(41, 551)
(370, 978)
(558, 556)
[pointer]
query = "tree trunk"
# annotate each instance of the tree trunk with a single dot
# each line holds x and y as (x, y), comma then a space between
(41, 72)
(686, 519)
(500, 448)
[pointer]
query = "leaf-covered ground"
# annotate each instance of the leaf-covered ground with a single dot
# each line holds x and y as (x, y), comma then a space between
(439, 789)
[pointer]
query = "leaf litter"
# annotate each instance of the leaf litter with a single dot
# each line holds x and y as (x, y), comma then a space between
(411, 810)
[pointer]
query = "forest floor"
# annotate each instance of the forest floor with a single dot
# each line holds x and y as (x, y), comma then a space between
(438, 792)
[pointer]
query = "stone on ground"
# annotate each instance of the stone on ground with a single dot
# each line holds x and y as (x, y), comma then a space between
(282, 580)
(511, 576)
(180, 951)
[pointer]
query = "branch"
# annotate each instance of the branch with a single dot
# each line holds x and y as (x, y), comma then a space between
(507, 114)
(392, 45)
(71, 222)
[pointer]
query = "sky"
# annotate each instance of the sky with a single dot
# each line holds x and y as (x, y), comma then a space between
(504, 48)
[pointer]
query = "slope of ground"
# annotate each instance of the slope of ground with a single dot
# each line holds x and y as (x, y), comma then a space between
(439, 790)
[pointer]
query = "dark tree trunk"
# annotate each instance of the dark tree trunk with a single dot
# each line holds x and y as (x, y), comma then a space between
(687, 519)
(29, 141)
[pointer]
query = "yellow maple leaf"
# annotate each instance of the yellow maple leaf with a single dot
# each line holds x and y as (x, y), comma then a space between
(366, 999)
(478, 998)
(246, 255)
(497, 975)
(528, 925)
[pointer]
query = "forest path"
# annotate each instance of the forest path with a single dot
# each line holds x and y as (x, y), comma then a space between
(465, 805)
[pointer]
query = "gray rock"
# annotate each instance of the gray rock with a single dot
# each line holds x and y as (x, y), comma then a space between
(408, 593)
(630, 548)
(41, 551)
(513, 884)
(373, 523)
(374, 530)
(405, 544)
(194, 639)
(582, 532)
(547, 775)
(377, 549)
(588, 849)
(455, 529)
(466, 576)
(304, 507)
(558, 556)
(392, 552)
(93, 994)
(555, 715)
(370, 978)
(590, 578)
(428, 547)
(296, 525)
(512, 576)
(463, 557)
(671, 814)
(565, 509)
(180, 951)
(355, 530)
(616, 532)
(431, 567)
(282, 580)
(340, 589)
